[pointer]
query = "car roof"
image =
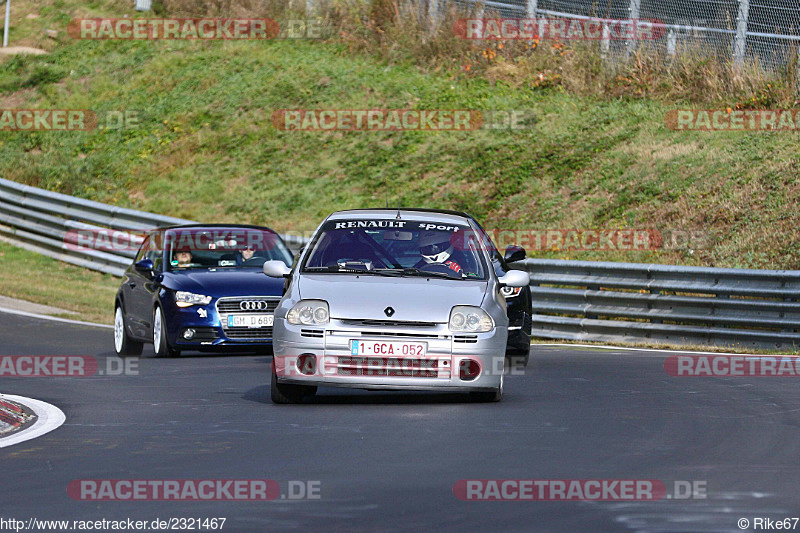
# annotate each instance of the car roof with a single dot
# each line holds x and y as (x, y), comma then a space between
(211, 226)
(444, 214)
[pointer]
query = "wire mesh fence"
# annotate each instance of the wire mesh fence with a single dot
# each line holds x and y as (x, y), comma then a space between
(764, 32)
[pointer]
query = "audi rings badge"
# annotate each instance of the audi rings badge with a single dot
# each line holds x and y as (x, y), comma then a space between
(253, 305)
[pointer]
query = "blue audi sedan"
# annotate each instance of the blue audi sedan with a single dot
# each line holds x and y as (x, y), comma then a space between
(200, 287)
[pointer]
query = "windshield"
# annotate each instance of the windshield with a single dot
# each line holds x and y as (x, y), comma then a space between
(397, 247)
(233, 247)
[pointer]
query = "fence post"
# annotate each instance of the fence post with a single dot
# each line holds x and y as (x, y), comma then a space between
(633, 18)
(433, 14)
(5, 27)
(740, 42)
(605, 42)
(531, 7)
(672, 43)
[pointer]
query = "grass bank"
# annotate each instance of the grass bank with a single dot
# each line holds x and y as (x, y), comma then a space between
(598, 156)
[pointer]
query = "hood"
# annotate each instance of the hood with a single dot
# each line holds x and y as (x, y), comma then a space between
(224, 282)
(413, 299)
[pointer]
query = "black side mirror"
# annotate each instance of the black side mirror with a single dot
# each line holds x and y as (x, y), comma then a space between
(514, 253)
(145, 265)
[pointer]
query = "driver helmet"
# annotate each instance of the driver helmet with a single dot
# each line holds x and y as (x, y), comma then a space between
(435, 246)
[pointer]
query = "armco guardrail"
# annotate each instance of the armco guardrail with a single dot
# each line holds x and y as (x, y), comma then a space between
(42, 221)
(574, 300)
(628, 302)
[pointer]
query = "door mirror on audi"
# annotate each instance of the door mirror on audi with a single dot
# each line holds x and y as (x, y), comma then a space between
(144, 266)
(276, 269)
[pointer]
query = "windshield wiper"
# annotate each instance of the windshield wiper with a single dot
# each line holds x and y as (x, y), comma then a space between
(410, 271)
(336, 268)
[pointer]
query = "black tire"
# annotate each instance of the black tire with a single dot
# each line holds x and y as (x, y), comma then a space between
(285, 393)
(160, 343)
(124, 345)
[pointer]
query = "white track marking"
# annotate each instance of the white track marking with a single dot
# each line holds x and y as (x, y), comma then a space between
(662, 350)
(49, 418)
(54, 318)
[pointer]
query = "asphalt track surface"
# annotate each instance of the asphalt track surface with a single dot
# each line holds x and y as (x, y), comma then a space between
(388, 462)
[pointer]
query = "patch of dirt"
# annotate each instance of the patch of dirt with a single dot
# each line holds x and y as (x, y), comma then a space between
(12, 50)
(17, 99)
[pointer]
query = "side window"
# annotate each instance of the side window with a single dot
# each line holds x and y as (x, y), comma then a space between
(155, 253)
(142, 250)
(496, 257)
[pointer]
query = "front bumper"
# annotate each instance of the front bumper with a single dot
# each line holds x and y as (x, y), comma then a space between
(328, 360)
(210, 334)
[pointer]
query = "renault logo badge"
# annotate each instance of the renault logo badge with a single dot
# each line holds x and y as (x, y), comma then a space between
(388, 311)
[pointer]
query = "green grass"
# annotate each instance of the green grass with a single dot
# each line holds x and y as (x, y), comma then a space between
(206, 149)
(39, 279)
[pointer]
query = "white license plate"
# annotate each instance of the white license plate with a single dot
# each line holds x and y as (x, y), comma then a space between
(250, 321)
(388, 349)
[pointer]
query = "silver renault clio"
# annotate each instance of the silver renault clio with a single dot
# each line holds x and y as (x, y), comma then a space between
(392, 299)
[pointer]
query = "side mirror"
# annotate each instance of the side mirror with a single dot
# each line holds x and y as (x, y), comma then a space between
(515, 278)
(514, 253)
(145, 265)
(276, 269)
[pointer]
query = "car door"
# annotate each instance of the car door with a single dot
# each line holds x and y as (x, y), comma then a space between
(152, 283)
(136, 306)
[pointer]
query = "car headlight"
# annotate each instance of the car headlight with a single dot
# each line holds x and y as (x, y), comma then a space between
(309, 313)
(510, 292)
(186, 299)
(471, 319)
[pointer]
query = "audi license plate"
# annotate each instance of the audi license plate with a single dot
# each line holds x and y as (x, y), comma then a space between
(406, 349)
(250, 321)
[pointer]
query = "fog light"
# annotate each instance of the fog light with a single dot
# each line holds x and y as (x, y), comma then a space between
(468, 369)
(307, 364)
(188, 334)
